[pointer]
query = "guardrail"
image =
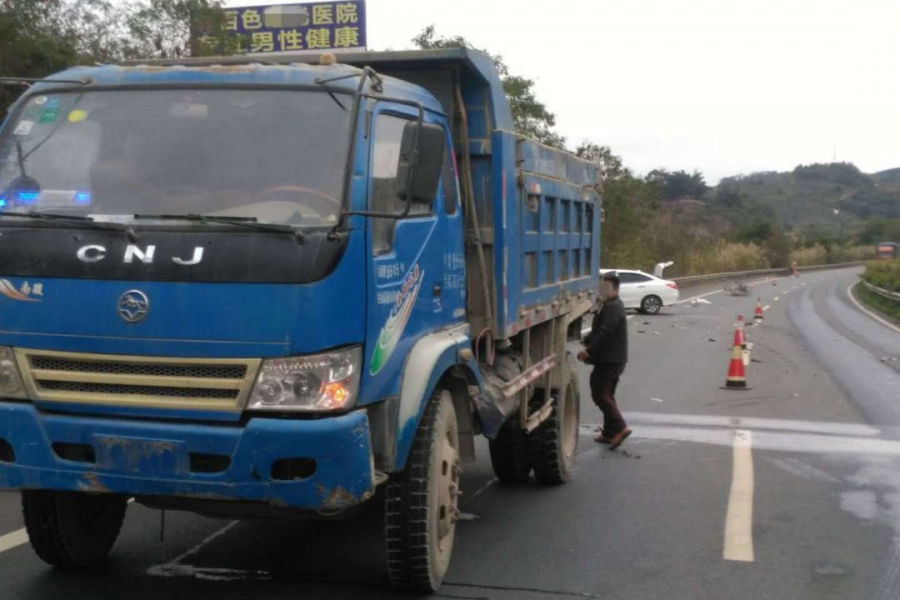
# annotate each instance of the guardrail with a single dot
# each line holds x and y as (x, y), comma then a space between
(881, 292)
(741, 274)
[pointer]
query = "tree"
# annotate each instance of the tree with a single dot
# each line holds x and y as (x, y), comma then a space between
(679, 184)
(531, 117)
(41, 38)
(177, 28)
(611, 166)
(729, 197)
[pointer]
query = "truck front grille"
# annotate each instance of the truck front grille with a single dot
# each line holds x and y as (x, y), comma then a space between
(203, 384)
(46, 363)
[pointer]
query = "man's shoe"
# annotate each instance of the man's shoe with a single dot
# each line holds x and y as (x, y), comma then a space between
(602, 439)
(619, 438)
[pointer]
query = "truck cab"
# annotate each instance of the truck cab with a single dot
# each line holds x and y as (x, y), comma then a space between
(250, 289)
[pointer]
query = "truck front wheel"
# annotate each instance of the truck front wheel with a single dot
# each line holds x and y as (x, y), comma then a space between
(421, 506)
(72, 529)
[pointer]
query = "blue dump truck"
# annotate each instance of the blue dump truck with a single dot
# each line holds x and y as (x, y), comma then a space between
(280, 289)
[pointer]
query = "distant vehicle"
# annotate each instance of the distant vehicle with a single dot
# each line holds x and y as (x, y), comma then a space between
(644, 292)
(888, 250)
(738, 289)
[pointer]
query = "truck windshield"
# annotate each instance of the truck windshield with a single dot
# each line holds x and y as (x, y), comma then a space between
(276, 156)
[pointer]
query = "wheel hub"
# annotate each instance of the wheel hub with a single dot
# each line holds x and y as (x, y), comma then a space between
(448, 491)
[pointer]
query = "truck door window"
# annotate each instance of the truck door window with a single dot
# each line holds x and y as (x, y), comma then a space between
(449, 183)
(385, 156)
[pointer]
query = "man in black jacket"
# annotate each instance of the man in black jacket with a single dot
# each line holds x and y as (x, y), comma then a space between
(606, 348)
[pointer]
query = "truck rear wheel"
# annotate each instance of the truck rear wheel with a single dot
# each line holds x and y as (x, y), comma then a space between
(72, 529)
(552, 446)
(421, 505)
(509, 454)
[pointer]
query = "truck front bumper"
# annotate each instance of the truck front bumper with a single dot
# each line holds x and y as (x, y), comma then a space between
(325, 463)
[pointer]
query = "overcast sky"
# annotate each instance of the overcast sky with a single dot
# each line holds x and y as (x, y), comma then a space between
(722, 86)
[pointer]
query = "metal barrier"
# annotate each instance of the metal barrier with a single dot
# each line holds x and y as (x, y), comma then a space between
(741, 274)
(881, 292)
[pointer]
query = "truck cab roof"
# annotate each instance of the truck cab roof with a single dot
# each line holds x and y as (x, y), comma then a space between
(420, 75)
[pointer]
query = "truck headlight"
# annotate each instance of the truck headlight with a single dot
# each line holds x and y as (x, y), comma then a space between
(11, 385)
(318, 382)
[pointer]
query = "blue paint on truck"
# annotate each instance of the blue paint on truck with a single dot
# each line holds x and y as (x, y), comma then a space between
(216, 296)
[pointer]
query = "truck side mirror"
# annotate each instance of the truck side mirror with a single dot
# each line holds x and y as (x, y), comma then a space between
(419, 167)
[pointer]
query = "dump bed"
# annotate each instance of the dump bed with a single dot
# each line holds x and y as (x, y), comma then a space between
(538, 208)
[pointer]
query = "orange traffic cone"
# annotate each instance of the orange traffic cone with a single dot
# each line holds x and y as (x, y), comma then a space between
(758, 315)
(737, 377)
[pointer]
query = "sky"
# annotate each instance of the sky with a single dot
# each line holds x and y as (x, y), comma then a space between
(725, 87)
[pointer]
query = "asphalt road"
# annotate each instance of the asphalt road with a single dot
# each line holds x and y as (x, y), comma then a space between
(788, 490)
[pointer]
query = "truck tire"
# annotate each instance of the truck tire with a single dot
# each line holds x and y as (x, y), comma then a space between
(509, 454)
(72, 529)
(552, 446)
(421, 502)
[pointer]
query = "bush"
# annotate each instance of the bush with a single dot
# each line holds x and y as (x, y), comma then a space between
(884, 274)
(819, 254)
(723, 258)
(888, 307)
(816, 254)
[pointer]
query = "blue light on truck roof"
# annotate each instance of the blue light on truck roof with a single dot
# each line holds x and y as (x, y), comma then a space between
(28, 196)
(82, 198)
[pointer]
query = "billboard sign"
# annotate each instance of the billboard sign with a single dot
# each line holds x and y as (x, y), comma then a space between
(316, 27)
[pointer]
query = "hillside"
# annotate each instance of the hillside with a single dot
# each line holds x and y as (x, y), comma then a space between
(806, 198)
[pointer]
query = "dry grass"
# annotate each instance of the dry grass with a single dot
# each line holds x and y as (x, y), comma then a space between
(723, 258)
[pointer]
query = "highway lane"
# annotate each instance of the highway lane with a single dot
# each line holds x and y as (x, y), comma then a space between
(817, 516)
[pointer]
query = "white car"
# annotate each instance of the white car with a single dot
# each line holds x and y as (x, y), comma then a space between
(644, 292)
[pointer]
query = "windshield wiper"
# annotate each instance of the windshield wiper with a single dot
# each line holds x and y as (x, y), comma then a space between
(20, 156)
(78, 220)
(245, 222)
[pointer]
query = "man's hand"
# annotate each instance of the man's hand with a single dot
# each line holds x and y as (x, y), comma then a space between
(582, 356)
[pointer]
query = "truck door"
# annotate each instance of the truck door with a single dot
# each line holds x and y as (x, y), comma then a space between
(417, 275)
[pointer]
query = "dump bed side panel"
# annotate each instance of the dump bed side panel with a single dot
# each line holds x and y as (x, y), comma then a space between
(546, 231)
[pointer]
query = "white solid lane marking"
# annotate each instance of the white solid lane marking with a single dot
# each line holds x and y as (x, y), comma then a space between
(869, 312)
(700, 296)
(480, 490)
(170, 568)
(752, 284)
(766, 307)
(13, 540)
(739, 519)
